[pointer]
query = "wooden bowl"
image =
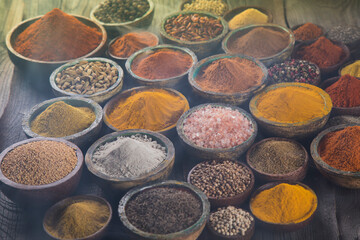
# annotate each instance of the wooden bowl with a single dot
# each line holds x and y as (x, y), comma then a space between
(285, 227)
(267, 61)
(189, 233)
(227, 201)
(98, 97)
(56, 210)
(231, 98)
(190, 1)
(299, 130)
(161, 172)
(235, 11)
(201, 48)
(23, 194)
(295, 176)
(176, 82)
(299, 25)
(82, 138)
(339, 177)
(215, 153)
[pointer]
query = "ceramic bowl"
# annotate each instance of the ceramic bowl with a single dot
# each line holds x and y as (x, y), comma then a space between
(161, 172)
(235, 11)
(98, 97)
(200, 48)
(299, 25)
(23, 194)
(82, 138)
(215, 153)
(296, 175)
(267, 61)
(299, 130)
(189, 1)
(231, 98)
(189, 233)
(339, 177)
(285, 227)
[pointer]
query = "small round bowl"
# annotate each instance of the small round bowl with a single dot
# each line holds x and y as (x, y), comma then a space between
(227, 201)
(189, 233)
(299, 130)
(161, 172)
(55, 210)
(190, 1)
(267, 61)
(176, 82)
(82, 138)
(23, 194)
(299, 25)
(200, 48)
(215, 153)
(285, 227)
(98, 97)
(345, 65)
(231, 98)
(235, 11)
(295, 176)
(339, 177)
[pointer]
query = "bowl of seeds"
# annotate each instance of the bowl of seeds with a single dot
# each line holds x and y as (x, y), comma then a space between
(95, 78)
(217, 7)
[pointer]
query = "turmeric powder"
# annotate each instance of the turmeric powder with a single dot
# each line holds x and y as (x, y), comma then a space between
(284, 203)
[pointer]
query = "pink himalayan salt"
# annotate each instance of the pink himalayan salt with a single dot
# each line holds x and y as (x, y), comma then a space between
(217, 127)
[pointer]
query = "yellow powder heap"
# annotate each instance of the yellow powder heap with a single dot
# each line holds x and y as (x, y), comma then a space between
(352, 69)
(247, 17)
(61, 119)
(284, 203)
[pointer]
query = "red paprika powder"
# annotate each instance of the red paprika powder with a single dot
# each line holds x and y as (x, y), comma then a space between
(307, 31)
(345, 92)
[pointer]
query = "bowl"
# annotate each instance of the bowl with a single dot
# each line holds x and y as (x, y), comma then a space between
(267, 61)
(231, 98)
(189, 233)
(345, 65)
(298, 130)
(23, 194)
(176, 82)
(200, 48)
(190, 1)
(299, 25)
(284, 227)
(98, 97)
(235, 11)
(341, 178)
(236, 200)
(296, 175)
(161, 172)
(82, 138)
(56, 210)
(203, 153)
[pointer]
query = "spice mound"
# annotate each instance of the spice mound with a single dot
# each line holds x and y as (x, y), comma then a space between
(87, 78)
(291, 104)
(230, 75)
(162, 64)
(352, 69)
(163, 210)
(152, 109)
(217, 127)
(61, 119)
(217, 7)
(247, 17)
(231, 221)
(340, 149)
(260, 42)
(221, 179)
(128, 157)
(57, 36)
(345, 92)
(284, 204)
(129, 43)
(78, 219)
(307, 31)
(39, 162)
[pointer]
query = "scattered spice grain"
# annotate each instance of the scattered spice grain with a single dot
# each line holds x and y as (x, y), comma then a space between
(345, 92)
(307, 31)
(247, 17)
(217, 7)
(352, 69)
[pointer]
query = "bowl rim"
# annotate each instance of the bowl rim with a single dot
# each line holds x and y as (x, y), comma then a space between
(147, 13)
(35, 111)
(169, 183)
(237, 9)
(255, 112)
(224, 43)
(30, 21)
(159, 138)
(26, 187)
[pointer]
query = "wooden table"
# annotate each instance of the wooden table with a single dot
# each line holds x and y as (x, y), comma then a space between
(338, 215)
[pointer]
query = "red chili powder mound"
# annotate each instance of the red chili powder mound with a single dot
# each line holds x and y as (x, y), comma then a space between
(345, 92)
(308, 31)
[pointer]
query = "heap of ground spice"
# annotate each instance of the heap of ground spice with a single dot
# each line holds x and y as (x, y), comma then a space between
(340, 149)
(353, 69)
(308, 31)
(247, 17)
(260, 42)
(57, 36)
(345, 92)
(230, 75)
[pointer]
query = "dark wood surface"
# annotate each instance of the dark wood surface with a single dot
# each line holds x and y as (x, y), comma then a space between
(338, 215)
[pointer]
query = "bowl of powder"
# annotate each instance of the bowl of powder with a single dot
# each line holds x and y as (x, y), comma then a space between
(129, 158)
(352, 68)
(307, 32)
(247, 15)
